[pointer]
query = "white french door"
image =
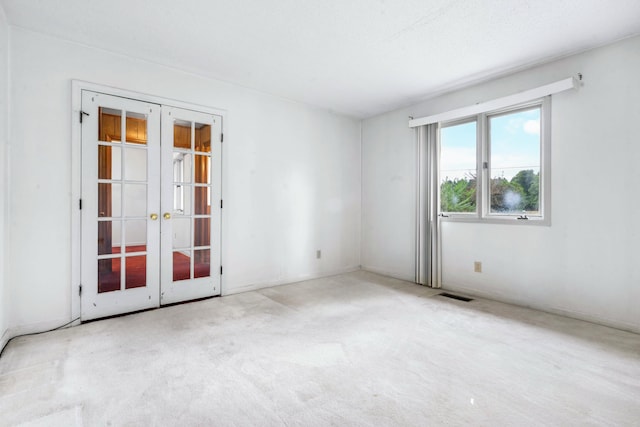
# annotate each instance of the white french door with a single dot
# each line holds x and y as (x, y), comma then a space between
(150, 218)
(191, 181)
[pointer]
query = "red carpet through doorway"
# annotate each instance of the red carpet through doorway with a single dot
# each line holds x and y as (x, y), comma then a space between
(136, 269)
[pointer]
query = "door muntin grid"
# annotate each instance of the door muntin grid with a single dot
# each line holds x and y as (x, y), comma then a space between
(192, 186)
(122, 200)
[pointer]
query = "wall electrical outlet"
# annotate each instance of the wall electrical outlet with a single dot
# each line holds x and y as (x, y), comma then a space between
(318, 254)
(477, 266)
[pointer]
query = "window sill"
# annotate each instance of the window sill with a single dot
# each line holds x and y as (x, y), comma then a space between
(510, 220)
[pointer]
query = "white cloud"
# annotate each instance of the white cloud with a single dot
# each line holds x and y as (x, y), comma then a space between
(532, 126)
(514, 125)
(457, 162)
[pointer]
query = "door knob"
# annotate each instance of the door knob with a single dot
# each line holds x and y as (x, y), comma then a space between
(153, 216)
(167, 215)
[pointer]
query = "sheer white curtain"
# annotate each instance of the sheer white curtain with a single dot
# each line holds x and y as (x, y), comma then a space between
(428, 270)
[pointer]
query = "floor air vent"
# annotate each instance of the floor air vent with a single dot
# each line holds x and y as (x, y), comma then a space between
(452, 296)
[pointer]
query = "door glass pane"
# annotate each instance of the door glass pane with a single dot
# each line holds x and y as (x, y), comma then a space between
(202, 263)
(182, 134)
(458, 168)
(109, 200)
(201, 200)
(201, 166)
(136, 273)
(108, 275)
(181, 233)
(514, 139)
(135, 200)
(109, 161)
(109, 237)
(136, 128)
(182, 199)
(181, 167)
(202, 231)
(116, 200)
(135, 235)
(109, 124)
(135, 166)
(181, 265)
(203, 137)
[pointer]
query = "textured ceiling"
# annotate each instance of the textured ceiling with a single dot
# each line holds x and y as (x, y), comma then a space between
(358, 57)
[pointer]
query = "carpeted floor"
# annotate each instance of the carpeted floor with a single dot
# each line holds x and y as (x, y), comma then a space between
(351, 350)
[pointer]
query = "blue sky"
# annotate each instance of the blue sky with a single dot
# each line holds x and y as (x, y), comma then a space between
(515, 146)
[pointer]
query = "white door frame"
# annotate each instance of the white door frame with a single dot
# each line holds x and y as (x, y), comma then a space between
(77, 86)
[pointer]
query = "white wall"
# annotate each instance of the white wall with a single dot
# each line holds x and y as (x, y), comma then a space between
(4, 114)
(587, 263)
(291, 175)
(388, 196)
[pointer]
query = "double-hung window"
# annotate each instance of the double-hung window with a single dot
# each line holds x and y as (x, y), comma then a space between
(494, 166)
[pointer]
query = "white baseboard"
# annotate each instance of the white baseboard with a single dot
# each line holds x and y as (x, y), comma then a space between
(4, 339)
(629, 327)
(392, 274)
(34, 328)
(226, 290)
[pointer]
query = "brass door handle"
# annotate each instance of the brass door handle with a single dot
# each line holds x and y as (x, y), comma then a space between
(167, 215)
(153, 216)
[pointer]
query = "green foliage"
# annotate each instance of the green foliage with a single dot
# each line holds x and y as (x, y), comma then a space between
(519, 194)
(506, 196)
(529, 181)
(458, 195)
(533, 192)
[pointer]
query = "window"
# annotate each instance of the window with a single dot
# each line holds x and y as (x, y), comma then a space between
(458, 168)
(514, 163)
(492, 166)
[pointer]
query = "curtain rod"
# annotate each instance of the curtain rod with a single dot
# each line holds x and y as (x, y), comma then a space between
(496, 104)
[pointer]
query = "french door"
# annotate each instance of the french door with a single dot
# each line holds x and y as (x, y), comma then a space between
(151, 178)
(191, 180)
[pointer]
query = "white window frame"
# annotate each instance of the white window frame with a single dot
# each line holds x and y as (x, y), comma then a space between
(472, 216)
(483, 152)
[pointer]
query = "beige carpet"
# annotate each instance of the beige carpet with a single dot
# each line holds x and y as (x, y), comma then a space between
(351, 350)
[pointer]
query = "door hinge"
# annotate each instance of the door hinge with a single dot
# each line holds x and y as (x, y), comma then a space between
(82, 113)
(80, 204)
(485, 165)
(80, 290)
(222, 137)
(220, 203)
(221, 270)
